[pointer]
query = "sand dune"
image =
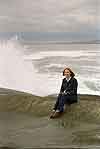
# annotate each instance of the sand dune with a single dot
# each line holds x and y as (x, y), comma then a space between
(11, 100)
(25, 117)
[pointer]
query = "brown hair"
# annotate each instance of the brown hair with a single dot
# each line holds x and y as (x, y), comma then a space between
(72, 73)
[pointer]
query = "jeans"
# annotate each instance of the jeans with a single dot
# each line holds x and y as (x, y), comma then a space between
(64, 99)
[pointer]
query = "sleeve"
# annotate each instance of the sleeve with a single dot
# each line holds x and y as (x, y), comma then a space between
(74, 87)
(62, 89)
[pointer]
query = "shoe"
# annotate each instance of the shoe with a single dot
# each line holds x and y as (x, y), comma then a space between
(56, 114)
(52, 114)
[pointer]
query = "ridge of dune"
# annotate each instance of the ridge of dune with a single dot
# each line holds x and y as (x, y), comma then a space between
(25, 117)
(87, 108)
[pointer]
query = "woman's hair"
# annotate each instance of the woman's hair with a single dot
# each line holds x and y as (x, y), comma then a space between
(71, 72)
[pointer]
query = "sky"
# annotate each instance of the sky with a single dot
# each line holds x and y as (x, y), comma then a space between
(75, 17)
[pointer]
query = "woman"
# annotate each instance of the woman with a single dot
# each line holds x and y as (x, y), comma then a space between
(68, 93)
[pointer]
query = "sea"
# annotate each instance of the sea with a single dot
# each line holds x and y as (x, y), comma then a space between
(36, 66)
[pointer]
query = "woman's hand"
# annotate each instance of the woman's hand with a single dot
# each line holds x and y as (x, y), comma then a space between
(61, 93)
(64, 93)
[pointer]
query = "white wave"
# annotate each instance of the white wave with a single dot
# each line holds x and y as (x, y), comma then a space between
(83, 88)
(17, 73)
(55, 65)
(43, 54)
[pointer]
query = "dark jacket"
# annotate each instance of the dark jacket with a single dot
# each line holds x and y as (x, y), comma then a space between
(69, 87)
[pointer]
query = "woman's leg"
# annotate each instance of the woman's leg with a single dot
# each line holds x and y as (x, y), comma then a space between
(54, 112)
(59, 106)
(61, 102)
(57, 102)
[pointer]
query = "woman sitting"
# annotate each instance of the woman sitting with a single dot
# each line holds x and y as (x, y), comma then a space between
(68, 93)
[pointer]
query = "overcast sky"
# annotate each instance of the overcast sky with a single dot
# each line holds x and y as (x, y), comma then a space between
(50, 16)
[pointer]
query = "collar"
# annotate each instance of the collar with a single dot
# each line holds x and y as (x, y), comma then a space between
(68, 79)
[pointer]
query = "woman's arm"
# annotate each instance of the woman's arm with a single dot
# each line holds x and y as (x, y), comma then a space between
(62, 89)
(73, 88)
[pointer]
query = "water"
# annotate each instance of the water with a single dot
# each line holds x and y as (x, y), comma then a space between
(37, 67)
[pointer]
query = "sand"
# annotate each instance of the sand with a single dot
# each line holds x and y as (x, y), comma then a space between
(25, 122)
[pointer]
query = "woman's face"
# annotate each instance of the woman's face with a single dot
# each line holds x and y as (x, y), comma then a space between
(67, 73)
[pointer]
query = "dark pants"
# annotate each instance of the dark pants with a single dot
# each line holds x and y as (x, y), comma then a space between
(64, 99)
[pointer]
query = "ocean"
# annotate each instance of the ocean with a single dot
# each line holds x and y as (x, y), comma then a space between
(36, 67)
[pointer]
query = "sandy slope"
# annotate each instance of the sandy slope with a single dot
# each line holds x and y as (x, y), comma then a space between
(24, 121)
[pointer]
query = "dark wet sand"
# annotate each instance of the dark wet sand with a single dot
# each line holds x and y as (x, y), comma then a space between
(25, 123)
